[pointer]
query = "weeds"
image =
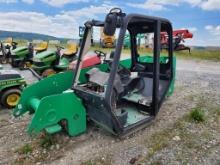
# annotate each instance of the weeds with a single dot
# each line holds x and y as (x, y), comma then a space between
(27, 148)
(47, 140)
(197, 115)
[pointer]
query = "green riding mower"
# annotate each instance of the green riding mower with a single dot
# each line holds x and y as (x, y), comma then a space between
(120, 95)
(11, 85)
(22, 57)
(6, 48)
(50, 62)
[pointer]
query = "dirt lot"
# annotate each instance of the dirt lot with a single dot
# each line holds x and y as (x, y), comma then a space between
(173, 138)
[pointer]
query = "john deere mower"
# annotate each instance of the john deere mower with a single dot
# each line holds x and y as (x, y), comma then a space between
(49, 62)
(120, 95)
(5, 48)
(11, 84)
(22, 57)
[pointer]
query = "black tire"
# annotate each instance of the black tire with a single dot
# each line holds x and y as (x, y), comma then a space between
(6, 94)
(15, 63)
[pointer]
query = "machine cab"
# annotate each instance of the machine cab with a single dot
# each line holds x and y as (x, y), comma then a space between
(127, 91)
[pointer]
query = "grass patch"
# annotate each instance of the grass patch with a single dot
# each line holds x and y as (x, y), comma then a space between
(197, 115)
(27, 148)
(212, 55)
(37, 151)
(160, 140)
(47, 140)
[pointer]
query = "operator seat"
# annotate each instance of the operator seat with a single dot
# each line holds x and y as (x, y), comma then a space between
(71, 49)
(42, 46)
(8, 41)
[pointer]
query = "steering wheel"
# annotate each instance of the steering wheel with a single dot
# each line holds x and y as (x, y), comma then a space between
(116, 10)
(100, 53)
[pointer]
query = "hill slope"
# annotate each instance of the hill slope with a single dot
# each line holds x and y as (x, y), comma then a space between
(26, 36)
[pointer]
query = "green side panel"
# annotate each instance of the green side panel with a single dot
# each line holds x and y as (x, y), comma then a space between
(55, 84)
(22, 48)
(47, 57)
(54, 108)
(20, 52)
(126, 63)
(44, 54)
(12, 83)
(1, 67)
(172, 86)
(63, 64)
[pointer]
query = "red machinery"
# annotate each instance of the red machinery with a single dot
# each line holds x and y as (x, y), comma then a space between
(178, 37)
(90, 60)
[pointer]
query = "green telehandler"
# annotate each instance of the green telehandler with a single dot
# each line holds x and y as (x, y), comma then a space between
(120, 95)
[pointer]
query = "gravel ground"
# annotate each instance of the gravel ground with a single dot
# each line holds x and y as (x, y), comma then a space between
(170, 139)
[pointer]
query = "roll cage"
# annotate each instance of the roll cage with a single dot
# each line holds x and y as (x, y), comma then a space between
(100, 107)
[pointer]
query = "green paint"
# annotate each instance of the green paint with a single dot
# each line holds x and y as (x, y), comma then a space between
(52, 85)
(44, 54)
(54, 108)
(63, 64)
(20, 52)
(12, 83)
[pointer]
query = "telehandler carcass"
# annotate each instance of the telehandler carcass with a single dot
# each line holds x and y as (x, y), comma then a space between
(120, 95)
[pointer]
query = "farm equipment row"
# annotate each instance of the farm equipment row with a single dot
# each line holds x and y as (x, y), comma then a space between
(39, 58)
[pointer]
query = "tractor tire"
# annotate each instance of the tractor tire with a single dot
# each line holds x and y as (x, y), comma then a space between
(10, 97)
(21, 65)
(48, 72)
(14, 63)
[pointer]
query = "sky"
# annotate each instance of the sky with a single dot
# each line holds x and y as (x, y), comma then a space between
(61, 18)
